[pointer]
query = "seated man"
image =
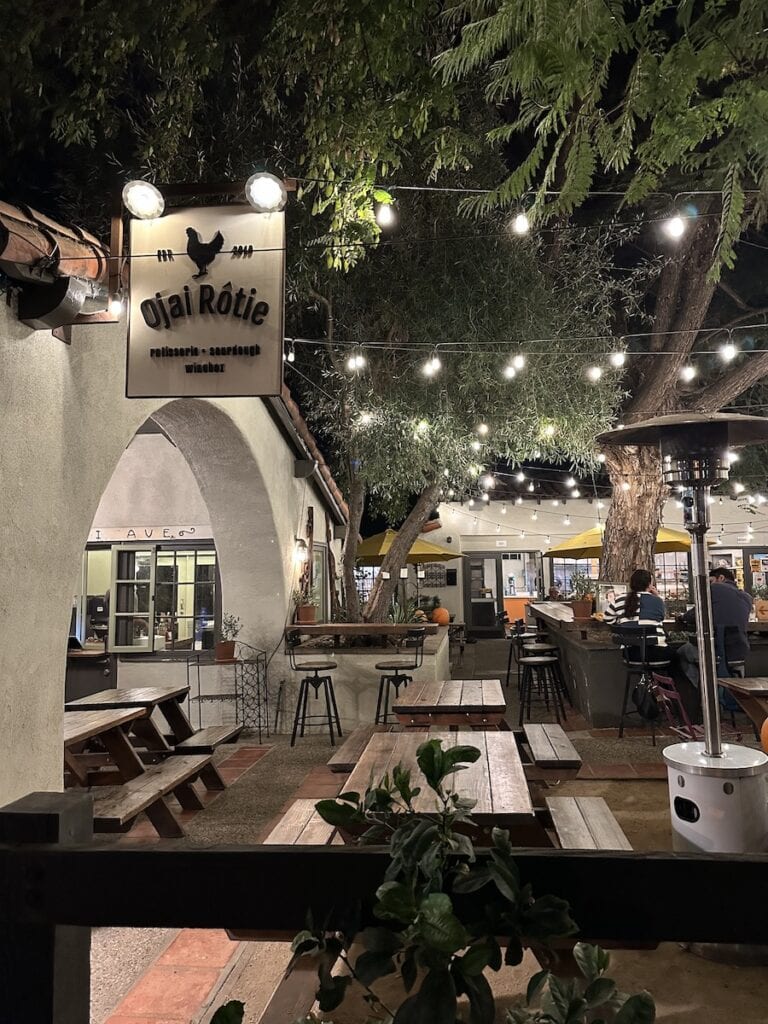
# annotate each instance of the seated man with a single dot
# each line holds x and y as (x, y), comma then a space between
(731, 609)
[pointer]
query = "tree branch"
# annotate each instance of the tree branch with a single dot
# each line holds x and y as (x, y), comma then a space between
(732, 295)
(723, 391)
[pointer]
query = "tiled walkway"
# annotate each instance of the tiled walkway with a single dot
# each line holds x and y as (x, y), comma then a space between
(181, 986)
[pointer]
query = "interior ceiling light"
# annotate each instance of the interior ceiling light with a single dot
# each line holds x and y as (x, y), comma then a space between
(266, 192)
(143, 200)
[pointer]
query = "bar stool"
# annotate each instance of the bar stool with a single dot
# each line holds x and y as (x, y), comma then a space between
(318, 678)
(542, 648)
(516, 640)
(640, 667)
(539, 669)
(395, 672)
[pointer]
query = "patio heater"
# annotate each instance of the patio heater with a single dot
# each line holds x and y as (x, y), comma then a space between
(718, 792)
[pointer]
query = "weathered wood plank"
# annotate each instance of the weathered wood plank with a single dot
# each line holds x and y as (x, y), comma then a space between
(205, 741)
(509, 786)
(567, 755)
(114, 806)
(130, 697)
(572, 830)
(606, 831)
(349, 753)
(83, 725)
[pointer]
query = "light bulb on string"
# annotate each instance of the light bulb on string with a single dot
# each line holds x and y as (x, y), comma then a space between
(531, 487)
(115, 306)
(432, 366)
(567, 521)
(534, 516)
(474, 521)
(731, 457)
(548, 539)
(520, 476)
(688, 372)
(625, 485)
(617, 358)
(385, 215)
(356, 361)
(518, 361)
(471, 503)
(549, 430)
(522, 535)
(575, 493)
(594, 373)
(510, 372)
(520, 225)
(518, 500)
(366, 418)
(601, 457)
(738, 488)
(291, 357)
(489, 482)
(674, 227)
(728, 351)
(498, 527)
(451, 493)
(476, 446)
(486, 496)
(570, 482)
(482, 429)
(555, 502)
(601, 504)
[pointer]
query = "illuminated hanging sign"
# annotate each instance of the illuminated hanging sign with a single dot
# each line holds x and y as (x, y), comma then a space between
(206, 304)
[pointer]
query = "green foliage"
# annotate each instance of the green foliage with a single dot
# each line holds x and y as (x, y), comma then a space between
(399, 613)
(480, 297)
(593, 997)
(230, 626)
(423, 934)
(648, 94)
(581, 586)
(760, 592)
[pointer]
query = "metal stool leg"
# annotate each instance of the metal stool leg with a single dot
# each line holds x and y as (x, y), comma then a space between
(279, 702)
(627, 687)
(309, 682)
(328, 710)
(557, 696)
(509, 662)
(524, 686)
(301, 697)
(377, 719)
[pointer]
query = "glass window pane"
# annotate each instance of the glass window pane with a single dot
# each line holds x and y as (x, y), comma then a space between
(131, 631)
(133, 565)
(205, 571)
(185, 599)
(204, 633)
(132, 597)
(165, 598)
(204, 593)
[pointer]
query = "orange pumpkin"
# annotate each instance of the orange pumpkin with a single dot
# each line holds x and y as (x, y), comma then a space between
(441, 616)
(764, 736)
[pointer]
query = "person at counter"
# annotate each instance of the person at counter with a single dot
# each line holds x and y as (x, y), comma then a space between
(731, 609)
(641, 605)
(553, 594)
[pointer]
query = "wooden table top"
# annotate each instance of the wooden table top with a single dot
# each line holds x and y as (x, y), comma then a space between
(496, 780)
(757, 686)
(134, 697)
(452, 696)
(360, 628)
(82, 725)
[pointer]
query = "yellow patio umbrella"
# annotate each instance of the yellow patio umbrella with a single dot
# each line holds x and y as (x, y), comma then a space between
(589, 543)
(372, 550)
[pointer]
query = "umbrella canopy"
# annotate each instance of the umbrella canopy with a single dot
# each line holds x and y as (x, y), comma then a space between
(589, 544)
(372, 550)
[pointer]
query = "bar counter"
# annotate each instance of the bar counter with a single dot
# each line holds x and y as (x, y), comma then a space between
(592, 665)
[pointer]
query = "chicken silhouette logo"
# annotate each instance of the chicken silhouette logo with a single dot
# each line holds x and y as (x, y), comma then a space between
(203, 253)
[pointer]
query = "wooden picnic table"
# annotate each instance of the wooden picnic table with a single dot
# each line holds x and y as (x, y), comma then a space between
(752, 695)
(496, 781)
(163, 698)
(128, 786)
(453, 702)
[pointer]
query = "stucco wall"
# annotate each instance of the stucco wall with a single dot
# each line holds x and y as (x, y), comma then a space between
(66, 424)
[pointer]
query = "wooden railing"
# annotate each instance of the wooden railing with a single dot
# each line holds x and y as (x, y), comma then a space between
(56, 883)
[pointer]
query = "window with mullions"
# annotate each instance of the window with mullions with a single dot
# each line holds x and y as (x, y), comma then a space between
(164, 598)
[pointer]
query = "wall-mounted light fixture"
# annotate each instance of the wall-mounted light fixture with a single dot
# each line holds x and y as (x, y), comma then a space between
(143, 200)
(301, 551)
(266, 192)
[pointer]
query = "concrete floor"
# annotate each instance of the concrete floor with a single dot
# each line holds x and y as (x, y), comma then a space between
(686, 989)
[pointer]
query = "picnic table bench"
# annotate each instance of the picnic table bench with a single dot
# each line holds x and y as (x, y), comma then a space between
(478, 703)
(586, 823)
(553, 755)
(139, 788)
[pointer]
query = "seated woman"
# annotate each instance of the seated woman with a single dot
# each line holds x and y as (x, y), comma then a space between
(641, 606)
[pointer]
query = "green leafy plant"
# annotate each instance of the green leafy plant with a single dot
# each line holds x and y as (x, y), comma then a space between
(401, 612)
(230, 627)
(760, 592)
(582, 586)
(593, 997)
(423, 934)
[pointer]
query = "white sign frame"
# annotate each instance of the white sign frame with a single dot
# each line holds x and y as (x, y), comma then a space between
(207, 298)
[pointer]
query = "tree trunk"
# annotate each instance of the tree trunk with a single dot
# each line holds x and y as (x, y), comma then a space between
(635, 513)
(356, 504)
(383, 589)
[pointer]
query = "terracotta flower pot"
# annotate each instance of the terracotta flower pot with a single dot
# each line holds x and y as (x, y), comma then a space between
(225, 650)
(306, 614)
(582, 609)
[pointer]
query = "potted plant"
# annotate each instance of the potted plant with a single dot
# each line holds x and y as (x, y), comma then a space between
(306, 601)
(431, 949)
(230, 629)
(582, 595)
(760, 594)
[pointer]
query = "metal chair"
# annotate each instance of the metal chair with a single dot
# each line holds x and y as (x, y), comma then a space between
(396, 672)
(671, 703)
(641, 657)
(518, 635)
(319, 670)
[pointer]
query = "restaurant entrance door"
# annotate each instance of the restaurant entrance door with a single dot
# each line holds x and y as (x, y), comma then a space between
(496, 582)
